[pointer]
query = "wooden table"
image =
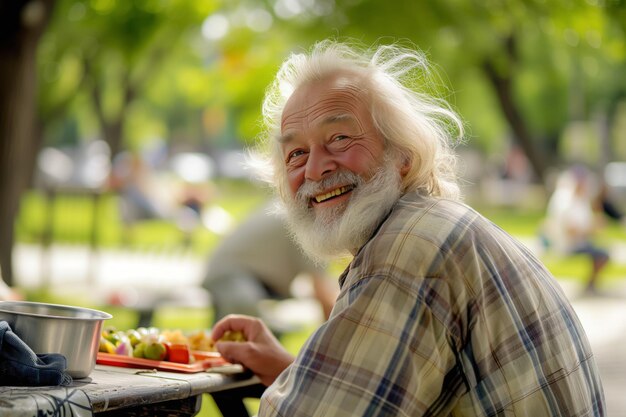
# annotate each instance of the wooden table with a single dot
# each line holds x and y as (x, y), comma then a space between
(118, 391)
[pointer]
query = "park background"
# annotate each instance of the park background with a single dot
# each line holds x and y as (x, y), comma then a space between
(178, 84)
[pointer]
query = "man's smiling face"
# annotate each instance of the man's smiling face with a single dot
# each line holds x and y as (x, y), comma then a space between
(326, 129)
(340, 181)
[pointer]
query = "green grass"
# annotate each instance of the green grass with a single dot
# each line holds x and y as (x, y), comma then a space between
(70, 219)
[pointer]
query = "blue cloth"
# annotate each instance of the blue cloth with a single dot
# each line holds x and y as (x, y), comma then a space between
(19, 365)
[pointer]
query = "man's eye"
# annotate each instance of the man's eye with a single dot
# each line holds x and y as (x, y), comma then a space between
(340, 137)
(295, 154)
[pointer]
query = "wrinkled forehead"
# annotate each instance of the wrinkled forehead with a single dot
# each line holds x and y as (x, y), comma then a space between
(340, 94)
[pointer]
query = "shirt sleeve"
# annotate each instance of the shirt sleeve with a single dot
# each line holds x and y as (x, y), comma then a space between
(381, 353)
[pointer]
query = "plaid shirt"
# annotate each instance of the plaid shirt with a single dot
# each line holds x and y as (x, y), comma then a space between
(442, 313)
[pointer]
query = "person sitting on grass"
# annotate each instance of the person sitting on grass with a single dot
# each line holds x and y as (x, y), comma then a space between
(572, 221)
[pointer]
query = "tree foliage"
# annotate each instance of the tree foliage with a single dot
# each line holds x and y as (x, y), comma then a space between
(518, 68)
(101, 58)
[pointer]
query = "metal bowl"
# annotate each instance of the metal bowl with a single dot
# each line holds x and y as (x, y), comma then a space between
(71, 331)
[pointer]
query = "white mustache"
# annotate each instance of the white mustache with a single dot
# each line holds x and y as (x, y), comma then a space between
(310, 189)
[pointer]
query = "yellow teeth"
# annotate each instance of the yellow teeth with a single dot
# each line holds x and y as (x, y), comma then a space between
(332, 194)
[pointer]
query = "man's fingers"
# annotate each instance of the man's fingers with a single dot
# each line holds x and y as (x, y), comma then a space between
(233, 322)
(234, 352)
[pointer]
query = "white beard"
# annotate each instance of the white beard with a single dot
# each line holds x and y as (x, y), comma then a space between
(343, 229)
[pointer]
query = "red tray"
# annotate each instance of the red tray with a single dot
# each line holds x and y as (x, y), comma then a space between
(204, 361)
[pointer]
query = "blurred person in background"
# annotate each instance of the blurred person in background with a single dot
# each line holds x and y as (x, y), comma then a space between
(131, 178)
(573, 219)
(260, 260)
(440, 312)
(193, 200)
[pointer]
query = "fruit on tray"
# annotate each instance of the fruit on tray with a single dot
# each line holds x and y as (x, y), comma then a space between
(156, 351)
(179, 352)
(147, 343)
(201, 340)
(161, 345)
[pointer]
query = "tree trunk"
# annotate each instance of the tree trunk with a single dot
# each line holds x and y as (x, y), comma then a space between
(503, 87)
(21, 26)
(111, 126)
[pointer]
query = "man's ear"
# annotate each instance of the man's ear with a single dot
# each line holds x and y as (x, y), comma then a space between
(405, 166)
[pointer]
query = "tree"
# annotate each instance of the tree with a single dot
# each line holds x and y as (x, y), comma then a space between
(528, 58)
(22, 22)
(117, 50)
(114, 49)
(491, 39)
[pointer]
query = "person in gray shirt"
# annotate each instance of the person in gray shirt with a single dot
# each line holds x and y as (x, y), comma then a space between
(260, 260)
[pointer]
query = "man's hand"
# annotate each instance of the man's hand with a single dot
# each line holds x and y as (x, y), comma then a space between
(262, 353)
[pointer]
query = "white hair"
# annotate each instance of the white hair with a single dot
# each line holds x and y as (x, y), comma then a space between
(418, 128)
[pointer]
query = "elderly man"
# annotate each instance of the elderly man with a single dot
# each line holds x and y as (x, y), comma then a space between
(440, 311)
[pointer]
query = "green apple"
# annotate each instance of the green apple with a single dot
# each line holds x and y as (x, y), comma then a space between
(139, 350)
(155, 351)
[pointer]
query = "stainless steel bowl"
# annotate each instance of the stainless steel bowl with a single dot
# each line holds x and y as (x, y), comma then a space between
(71, 331)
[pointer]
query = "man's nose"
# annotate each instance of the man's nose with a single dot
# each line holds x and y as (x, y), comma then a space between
(319, 163)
